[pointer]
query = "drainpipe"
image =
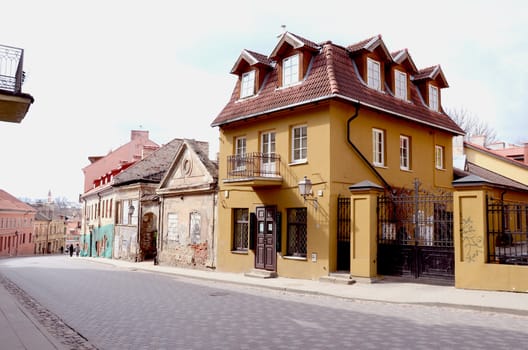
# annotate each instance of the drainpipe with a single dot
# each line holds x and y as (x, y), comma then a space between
(215, 199)
(378, 175)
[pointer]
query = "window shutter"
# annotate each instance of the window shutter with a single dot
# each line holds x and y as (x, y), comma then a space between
(278, 242)
(252, 234)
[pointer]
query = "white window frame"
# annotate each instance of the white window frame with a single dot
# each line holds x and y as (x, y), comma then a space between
(299, 144)
(400, 84)
(439, 157)
(405, 152)
(290, 70)
(247, 87)
(378, 147)
(433, 97)
(373, 74)
(240, 151)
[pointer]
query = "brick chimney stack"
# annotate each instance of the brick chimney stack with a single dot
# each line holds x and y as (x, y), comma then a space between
(525, 158)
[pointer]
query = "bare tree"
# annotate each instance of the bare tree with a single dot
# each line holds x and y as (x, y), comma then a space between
(472, 125)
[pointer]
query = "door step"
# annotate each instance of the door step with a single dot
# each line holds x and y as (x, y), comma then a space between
(337, 278)
(257, 273)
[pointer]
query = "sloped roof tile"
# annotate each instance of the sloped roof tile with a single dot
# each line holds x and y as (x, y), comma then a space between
(332, 75)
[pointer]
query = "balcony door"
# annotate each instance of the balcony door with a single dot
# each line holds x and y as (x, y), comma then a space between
(267, 145)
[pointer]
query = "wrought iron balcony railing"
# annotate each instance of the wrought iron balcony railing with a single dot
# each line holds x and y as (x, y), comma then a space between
(253, 165)
(11, 73)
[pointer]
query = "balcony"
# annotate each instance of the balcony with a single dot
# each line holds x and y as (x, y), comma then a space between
(14, 104)
(254, 169)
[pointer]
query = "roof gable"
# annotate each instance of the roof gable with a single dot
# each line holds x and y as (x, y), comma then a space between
(250, 58)
(293, 41)
(432, 73)
(189, 171)
(402, 57)
(371, 44)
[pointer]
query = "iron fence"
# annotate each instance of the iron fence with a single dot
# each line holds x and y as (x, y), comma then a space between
(507, 226)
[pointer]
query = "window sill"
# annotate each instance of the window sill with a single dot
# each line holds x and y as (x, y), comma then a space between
(381, 166)
(240, 252)
(291, 257)
(301, 162)
(407, 170)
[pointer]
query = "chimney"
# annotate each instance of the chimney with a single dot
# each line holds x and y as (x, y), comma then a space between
(139, 134)
(478, 140)
(525, 159)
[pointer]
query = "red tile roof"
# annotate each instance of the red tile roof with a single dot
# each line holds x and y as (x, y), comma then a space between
(11, 203)
(332, 75)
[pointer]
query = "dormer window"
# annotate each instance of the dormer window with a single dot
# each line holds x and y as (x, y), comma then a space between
(400, 81)
(248, 84)
(373, 74)
(290, 70)
(433, 98)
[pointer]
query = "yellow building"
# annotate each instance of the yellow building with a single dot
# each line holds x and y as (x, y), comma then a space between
(327, 117)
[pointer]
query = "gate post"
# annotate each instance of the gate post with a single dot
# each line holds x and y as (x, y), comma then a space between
(363, 226)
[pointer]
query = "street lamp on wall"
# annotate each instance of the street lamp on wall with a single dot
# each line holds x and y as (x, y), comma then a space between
(305, 190)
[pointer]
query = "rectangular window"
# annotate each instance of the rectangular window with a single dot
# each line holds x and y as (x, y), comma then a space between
(297, 235)
(290, 70)
(400, 81)
(373, 74)
(439, 157)
(248, 84)
(299, 144)
(172, 227)
(405, 148)
(240, 153)
(195, 227)
(378, 147)
(240, 229)
(433, 98)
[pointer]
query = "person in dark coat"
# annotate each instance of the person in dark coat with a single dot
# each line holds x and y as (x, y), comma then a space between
(71, 249)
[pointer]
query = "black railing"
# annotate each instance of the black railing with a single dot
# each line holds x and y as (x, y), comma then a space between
(507, 225)
(11, 74)
(252, 165)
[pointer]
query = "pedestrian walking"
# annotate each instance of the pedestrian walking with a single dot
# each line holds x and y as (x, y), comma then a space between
(77, 249)
(71, 249)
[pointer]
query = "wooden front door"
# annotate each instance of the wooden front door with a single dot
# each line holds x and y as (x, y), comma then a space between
(265, 254)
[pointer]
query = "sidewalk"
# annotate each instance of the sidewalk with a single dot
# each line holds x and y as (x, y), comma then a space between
(383, 291)
(19, 330)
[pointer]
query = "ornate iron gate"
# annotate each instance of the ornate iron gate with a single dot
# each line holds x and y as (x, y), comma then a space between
(343, 234)
(415, 235)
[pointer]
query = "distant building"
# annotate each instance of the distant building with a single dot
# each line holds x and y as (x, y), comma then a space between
(16, 226)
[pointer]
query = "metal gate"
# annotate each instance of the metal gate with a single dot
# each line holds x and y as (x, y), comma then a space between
(343, 234)
(415, 235)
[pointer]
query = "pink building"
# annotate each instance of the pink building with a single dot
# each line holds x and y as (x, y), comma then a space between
(137, 148)
(16, 226)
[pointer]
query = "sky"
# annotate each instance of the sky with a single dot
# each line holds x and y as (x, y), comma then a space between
(99, 69)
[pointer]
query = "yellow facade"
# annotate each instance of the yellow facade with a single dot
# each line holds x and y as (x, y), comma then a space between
(473, 271)
(332, 165)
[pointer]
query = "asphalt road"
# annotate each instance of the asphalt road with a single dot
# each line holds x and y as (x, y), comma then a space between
(112, 308)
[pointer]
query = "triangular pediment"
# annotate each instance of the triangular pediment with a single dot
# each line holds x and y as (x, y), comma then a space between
(188, 172)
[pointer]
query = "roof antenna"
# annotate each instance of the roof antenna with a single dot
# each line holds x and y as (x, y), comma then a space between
(283, 26)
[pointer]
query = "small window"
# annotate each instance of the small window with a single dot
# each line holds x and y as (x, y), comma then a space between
(248, 84)
(405, 148)
(240, 229)
(378, 147)
(439, 157)
(299, 144)
(373, 74)
(297, 233)
(290, 70)
(433, 98)
(400, 84)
